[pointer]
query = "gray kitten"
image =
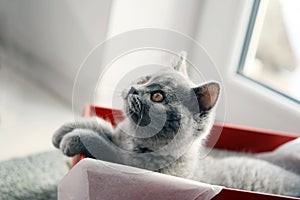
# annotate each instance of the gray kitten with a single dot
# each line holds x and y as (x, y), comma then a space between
(167, 120)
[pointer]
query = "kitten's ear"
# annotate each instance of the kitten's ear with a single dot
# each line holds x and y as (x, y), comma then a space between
(207, 95)
(179, 63)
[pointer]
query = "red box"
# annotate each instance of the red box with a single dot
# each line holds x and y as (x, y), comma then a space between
(245, 139)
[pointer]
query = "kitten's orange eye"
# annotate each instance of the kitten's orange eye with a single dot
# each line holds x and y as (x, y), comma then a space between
(157, 97)
(143, 81)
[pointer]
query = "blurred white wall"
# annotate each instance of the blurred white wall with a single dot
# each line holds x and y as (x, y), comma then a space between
(47, 40)
(181, 16)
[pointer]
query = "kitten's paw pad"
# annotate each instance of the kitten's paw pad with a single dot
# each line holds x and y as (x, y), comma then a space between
(60, 133)
(71, 144)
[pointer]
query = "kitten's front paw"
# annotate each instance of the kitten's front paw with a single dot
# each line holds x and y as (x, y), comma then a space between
(89, 143)
(73, 138)
(94, 125)
(71, 144)
(61, 132)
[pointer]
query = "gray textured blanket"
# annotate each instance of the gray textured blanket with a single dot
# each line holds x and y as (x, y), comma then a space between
(34, 177)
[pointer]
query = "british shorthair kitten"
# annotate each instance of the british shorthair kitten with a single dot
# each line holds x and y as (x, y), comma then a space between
(167, 120)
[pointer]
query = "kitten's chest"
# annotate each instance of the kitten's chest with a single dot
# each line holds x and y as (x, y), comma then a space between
(139, 145)
(133, 141)
(148, 145)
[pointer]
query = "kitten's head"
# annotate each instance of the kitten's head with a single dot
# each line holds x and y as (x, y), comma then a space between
(169, 97)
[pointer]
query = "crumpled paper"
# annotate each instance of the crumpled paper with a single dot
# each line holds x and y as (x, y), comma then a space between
(95, 179)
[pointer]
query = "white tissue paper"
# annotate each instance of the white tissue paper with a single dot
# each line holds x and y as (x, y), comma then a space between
(95, 179)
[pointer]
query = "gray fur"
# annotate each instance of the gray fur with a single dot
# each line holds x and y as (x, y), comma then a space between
(174, 147)
(33, 177)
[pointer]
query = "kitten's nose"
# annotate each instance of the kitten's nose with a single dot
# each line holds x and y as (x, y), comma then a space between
(133, 91)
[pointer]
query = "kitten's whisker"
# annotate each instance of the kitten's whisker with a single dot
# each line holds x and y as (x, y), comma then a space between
(139, 121)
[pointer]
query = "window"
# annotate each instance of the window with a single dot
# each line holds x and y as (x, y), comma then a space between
(222, 31)
(277, 50)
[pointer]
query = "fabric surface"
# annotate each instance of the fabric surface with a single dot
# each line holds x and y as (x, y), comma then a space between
(34, 177)
(100, 180)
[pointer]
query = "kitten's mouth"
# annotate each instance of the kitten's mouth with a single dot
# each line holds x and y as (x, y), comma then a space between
(134, 104)
(137, 111)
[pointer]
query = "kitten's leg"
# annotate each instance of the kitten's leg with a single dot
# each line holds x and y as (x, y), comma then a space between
(82, 136)
(90, 143)
(93, 139)
(97, 125)
(248, 174)
(286, 156)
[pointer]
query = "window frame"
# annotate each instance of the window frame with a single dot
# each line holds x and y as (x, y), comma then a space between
(244, 55)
